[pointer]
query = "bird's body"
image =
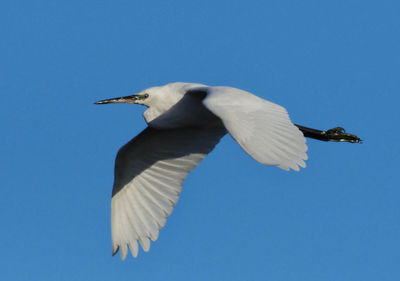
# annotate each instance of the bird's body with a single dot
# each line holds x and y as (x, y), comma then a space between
(185, 122)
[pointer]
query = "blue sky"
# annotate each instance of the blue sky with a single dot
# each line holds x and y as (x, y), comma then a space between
(329, 63)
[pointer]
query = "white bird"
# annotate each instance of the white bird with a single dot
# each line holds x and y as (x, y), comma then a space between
(185, 122)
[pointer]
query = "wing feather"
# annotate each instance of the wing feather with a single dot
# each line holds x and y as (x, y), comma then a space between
(263, 129)
(149, 171)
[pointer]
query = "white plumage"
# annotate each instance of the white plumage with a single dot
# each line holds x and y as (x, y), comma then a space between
(185, 122)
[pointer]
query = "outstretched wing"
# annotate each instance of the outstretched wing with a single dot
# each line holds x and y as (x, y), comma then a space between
(263, 129)
(149, 171)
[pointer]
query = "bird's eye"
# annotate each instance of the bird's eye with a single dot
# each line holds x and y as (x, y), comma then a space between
(145, 96)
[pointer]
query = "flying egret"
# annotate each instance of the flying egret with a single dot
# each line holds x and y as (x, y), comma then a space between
(185, 122)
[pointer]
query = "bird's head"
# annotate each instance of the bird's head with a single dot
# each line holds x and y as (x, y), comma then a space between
(163, 96)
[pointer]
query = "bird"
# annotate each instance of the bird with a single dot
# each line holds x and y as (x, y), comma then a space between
(185, 121)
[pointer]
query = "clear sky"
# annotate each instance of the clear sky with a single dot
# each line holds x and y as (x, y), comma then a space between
(330, 63)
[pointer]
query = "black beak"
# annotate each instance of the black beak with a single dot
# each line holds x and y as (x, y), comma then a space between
(127, 99)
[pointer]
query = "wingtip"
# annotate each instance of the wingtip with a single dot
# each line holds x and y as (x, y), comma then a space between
(114, 251)
(145, 243)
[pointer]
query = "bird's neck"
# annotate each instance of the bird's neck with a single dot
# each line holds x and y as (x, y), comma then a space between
(171, 96)
(160, 108)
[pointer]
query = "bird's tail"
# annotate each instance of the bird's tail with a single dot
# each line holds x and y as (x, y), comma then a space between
(334, 134)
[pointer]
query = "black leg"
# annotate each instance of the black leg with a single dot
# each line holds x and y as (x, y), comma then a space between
(335, 134)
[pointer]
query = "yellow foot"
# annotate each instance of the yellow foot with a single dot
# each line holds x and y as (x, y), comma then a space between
(339, 134)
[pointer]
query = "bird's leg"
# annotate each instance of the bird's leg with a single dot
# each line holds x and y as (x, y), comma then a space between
(334, 134)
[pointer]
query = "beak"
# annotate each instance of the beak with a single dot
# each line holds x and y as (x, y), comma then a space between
(127, 99)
